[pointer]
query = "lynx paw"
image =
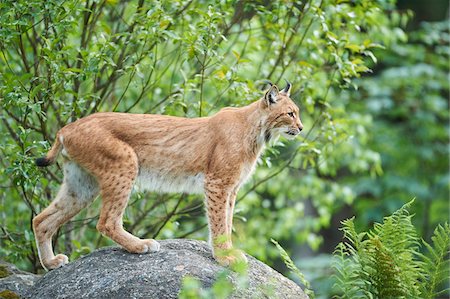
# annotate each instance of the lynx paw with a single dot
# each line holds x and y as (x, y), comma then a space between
(58, 261)
(148, 245)
(230, 257)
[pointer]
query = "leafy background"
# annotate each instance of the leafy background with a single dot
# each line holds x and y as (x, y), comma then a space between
(370, 77)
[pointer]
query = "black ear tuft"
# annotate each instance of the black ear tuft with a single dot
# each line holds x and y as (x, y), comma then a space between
(287, 89)
(268, 82)
(271, 95)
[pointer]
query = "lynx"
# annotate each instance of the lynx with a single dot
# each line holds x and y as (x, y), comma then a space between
(108, 153)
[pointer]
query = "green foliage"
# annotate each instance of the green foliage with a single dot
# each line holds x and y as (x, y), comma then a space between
(222, 287)
(62, 60)
(436, 263)
(294, 270)
(380, 137)
(192, 288)
(408, 101)
(386, 261)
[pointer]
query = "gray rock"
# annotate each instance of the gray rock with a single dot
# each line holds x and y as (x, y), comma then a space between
(15, 283)
(115, 273)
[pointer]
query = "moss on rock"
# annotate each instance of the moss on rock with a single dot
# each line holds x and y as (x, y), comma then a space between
(4, 271)
(7, 294)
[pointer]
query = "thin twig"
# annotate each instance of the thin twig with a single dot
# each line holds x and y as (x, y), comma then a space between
(169, 216)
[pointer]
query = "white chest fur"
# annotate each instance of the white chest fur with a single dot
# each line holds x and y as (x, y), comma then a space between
(160, 181)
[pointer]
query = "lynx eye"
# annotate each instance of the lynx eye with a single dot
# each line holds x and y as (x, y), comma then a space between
(291, 114)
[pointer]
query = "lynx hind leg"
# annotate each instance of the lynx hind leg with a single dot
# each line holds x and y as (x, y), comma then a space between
(116, 186)
(78, 190)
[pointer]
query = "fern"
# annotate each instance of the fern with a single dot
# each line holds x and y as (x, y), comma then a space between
(352, 277)
(349, 279)
(386, 261)
(436, 263)
(293, 268)
(387, 277)
(396, 245)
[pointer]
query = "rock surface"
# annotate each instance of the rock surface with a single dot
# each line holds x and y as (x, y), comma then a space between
(115, 273)
(15, 283)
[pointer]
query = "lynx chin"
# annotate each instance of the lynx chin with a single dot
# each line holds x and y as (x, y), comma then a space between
(108, 153)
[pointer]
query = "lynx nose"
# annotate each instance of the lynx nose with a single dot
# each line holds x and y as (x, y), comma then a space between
(300, 128)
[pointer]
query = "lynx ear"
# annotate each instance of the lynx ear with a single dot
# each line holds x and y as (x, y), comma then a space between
(287, 89)
(271, 95)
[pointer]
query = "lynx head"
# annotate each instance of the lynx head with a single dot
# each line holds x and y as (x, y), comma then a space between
(282, 114)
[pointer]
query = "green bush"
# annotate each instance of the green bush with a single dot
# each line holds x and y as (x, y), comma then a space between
(407, 101)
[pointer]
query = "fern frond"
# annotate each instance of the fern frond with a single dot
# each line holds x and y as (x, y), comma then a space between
(436, 263)
(347, 274)
(351, 273)
(350, 233)
(293, 268)
(397, 231)
(387, 277)
(396, 247)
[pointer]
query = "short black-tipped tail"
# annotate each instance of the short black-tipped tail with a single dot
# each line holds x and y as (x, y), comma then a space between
(50, 158)
(42, 162)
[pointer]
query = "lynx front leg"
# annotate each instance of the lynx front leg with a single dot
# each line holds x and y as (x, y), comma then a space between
(230, 211)
(217, 206)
